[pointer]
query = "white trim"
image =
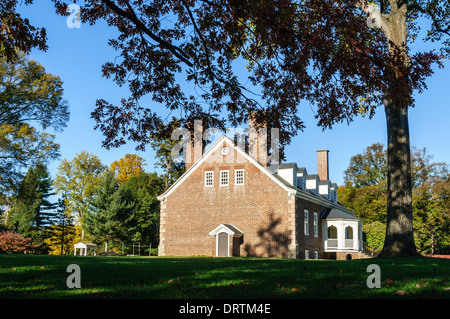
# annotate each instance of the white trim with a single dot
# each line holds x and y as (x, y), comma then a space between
(225, 150)
(341, 244)
(236, 177)
(212, 176)
(306, 222)
(316, 224)
(223, 228)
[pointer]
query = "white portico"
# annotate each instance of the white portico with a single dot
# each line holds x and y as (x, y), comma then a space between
(341, 231)
(83, 247)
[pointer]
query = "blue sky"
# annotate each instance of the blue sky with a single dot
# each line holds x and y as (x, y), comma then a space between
(76, 55)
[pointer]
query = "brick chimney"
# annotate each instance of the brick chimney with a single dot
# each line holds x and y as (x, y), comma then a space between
(322, 165)
(257, 139)
(194, 146)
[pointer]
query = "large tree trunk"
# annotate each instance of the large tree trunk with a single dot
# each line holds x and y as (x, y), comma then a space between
(399, 240)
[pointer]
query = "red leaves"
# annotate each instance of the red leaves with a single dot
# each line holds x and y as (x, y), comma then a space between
(11, 242)
(16, 33)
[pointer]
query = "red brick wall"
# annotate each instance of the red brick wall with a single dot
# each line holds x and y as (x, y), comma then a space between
(260, 208)
(308, 242)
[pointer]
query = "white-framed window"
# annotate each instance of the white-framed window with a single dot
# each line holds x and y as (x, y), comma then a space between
(209, 179)
(316, 255)
(239, 177)
(306, 222)
(224, 178)
(306, 254)
(316, 226)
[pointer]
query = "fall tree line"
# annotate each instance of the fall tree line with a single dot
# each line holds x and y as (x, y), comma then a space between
(87, 201)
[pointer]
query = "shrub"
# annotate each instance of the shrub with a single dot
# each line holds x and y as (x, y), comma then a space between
(375, 233)
(13, 243)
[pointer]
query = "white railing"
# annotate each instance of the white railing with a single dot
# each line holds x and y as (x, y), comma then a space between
(331, 243)
(349, 243)
(335, 244)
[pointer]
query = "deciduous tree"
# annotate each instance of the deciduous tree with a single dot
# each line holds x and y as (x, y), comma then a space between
(128, 166)
(30, 100)
(365, 193)
(16, 32)
(13, 243)
(77, 180)
(163, 144)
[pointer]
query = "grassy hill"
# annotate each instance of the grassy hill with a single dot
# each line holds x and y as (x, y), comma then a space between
(32, 276)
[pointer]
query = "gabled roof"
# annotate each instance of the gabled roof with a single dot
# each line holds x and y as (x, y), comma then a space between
(230, 229)
(209, 152)
(335, 213)
(292, 190)
(287, 165)
(85, 245)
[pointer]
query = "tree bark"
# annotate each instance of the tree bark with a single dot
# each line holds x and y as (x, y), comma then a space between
(399, 240)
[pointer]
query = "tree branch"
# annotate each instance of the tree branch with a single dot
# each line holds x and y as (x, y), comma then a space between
(375, 18)
(205, 48)
(436, 22)
(176, 51)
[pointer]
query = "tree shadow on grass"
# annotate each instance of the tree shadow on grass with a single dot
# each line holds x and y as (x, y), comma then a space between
(205, 278)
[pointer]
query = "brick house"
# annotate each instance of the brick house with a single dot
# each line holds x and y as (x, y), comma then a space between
(229, 203)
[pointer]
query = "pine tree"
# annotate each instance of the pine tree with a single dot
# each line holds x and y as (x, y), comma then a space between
(100, 221)
(32, 209)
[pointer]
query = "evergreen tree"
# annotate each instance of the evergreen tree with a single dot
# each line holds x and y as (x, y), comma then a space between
(32, 209)
(102, 219)
(125, 212)
(144, 188)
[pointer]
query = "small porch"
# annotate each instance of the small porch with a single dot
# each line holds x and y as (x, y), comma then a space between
(228, 239)
(342, 232)
(83, 247)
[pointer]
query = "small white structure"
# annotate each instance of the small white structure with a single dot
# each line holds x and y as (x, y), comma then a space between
(84, 246)
(341, 231)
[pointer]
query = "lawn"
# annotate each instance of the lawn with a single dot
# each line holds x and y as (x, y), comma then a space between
(32, 276)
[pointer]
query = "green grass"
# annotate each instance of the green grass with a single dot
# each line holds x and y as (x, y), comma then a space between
(32, 276)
